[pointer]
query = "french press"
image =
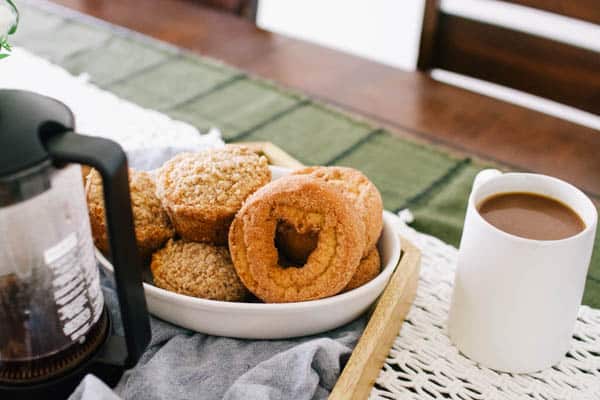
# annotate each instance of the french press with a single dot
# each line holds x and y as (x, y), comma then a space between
(54, 326)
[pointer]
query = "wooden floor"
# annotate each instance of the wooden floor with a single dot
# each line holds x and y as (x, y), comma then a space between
(411, 103)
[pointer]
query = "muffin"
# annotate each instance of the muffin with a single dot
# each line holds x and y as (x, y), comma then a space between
(201, 192)
(197, 269)
(151, 222)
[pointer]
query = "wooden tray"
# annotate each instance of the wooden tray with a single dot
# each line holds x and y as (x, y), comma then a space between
(364, 365)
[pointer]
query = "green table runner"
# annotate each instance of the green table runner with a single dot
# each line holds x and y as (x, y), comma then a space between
(205, 93)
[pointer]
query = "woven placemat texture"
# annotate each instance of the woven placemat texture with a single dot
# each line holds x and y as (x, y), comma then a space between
(206, 93)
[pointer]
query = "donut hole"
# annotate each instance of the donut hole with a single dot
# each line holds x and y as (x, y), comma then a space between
(294, 247)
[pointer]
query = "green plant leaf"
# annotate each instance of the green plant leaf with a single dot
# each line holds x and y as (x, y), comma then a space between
(13, 28)
(5, 45)
(3, 55)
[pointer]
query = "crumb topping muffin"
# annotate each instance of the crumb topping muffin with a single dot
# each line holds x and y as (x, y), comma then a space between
(202, 191)
(197, 269)
(152, 225)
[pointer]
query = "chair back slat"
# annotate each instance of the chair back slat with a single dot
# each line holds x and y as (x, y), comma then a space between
(586, 10)
(428, 35)
(533, 64)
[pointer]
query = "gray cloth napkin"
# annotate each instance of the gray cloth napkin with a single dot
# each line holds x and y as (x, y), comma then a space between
(181, 364)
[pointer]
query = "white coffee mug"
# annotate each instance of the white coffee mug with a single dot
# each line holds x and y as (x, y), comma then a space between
(515, 300)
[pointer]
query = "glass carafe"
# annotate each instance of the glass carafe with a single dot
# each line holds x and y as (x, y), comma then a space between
(53, 321)
(50, 297)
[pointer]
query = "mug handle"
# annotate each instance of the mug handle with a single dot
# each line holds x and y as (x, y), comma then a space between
(65, 146)
(484, 176)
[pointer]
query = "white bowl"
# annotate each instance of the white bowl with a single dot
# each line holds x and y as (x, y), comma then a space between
(274, 321)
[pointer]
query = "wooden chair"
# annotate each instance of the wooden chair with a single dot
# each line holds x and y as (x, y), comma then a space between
(243, 8)
(540, 66)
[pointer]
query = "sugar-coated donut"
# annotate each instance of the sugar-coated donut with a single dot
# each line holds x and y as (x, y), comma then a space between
(305, 203)
(369, 268)
(359, 191)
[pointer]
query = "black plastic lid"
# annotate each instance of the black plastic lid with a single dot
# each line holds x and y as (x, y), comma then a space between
(23, 116)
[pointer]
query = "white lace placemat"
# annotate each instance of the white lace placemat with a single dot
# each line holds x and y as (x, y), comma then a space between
(423, 364)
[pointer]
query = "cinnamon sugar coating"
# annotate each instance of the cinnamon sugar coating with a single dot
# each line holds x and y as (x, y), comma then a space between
(368, 269)
(152, 225)
(197, 269)
(202, 191)
(306, 203)
(359, 191)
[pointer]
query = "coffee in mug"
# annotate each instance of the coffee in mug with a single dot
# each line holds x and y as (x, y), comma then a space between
(531, 216)
(519, 278)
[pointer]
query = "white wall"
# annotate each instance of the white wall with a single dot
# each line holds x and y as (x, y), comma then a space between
(388, 31)
(383, 30)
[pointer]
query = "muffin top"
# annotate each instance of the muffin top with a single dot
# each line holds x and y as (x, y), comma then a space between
(197, 269)
(212, 180)
(151, 221)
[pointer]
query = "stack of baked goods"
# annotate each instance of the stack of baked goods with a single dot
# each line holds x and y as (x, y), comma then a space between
(213, 225)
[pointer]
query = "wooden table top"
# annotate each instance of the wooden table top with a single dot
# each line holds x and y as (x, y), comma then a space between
(410, 103)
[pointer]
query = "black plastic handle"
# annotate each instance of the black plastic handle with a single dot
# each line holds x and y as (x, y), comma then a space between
(110, 160)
